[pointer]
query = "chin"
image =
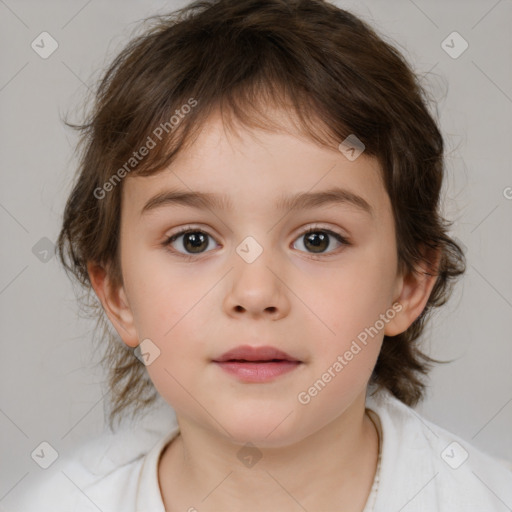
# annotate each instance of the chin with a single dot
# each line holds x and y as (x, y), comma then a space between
(264, 430)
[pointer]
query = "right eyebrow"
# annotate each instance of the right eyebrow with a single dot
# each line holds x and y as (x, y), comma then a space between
(200, 200)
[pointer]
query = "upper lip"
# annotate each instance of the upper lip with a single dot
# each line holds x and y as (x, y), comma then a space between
(249, 353)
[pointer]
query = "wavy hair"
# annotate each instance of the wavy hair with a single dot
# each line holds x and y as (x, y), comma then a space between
(330, 71)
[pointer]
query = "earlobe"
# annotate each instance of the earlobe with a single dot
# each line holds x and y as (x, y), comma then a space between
(415, 291)
(115, 304)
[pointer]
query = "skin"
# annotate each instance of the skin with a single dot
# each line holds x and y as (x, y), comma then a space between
(319, 456)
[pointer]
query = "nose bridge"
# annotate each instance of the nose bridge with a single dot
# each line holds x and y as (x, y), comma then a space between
(256, 286)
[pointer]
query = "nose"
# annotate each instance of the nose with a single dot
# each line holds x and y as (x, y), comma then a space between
(257, 289)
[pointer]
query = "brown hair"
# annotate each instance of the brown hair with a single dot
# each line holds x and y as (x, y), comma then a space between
(331, 72)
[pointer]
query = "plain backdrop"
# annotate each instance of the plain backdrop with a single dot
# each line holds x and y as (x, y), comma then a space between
(50, 390)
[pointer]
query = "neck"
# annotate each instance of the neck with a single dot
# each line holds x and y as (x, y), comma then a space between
(332, 469)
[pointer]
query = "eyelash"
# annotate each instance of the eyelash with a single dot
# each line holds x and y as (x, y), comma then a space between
(169, 240)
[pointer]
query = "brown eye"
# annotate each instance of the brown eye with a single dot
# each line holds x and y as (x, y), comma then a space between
(192, 242)
(317, 241)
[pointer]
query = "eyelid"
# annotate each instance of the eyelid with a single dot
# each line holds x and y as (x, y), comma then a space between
(340, 238)
(169, 239)
(318, 226)
(187, 229)
(304, 230)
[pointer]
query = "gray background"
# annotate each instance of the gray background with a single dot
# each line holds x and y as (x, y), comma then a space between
(50, 390)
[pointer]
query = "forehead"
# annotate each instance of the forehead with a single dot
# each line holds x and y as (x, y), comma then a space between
(233, 169)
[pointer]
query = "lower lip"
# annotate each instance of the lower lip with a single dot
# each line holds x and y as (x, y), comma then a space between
(258, 372)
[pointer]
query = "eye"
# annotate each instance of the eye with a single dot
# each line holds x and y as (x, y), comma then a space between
(317, 241)
(192, 241)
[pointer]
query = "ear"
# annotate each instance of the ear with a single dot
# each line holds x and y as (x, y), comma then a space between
(413, 292)
(114, 302)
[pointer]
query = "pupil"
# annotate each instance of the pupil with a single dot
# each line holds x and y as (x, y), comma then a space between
(317, 240)
(193, 241)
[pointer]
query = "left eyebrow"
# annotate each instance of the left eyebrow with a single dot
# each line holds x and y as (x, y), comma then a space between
(335, 195)
(302, 200)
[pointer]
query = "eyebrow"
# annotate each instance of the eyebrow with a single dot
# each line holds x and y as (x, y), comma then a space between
(302, 200)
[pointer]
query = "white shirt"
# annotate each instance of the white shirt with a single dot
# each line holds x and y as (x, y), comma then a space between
(422, 468)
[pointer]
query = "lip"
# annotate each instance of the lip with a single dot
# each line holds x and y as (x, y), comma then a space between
(249, 353)
(256, 364)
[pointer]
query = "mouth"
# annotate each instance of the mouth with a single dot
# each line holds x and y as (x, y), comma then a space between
(256, 364)
(251, 354)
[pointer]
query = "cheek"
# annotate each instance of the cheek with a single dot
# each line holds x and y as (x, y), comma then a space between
(179, 330)
(351, 297)
(350, 304)
(161, 295)
(348, 340)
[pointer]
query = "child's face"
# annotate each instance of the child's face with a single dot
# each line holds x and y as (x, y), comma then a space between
(311, 305)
